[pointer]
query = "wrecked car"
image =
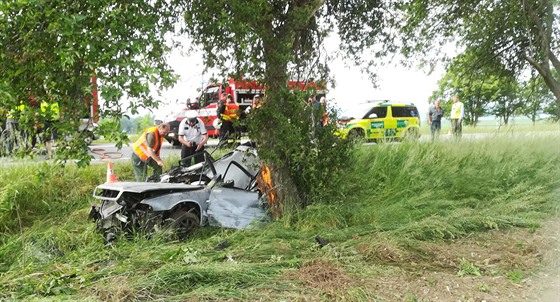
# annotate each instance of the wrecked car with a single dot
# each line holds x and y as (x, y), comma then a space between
(220, 193)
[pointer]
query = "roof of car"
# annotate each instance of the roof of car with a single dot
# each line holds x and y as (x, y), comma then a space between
(386, 103)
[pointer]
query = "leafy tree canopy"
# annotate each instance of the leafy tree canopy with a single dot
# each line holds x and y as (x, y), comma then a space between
(517, 34)
(50, 49)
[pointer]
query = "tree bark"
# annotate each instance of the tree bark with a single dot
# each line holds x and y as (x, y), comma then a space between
(276, 78)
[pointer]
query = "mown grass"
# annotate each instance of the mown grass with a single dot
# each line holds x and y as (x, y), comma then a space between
(516, 125)
(394, 197)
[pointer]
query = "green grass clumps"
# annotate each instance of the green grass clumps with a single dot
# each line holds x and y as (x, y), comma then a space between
(226, 276)
(395, 201)
(446, 190)
(30, 193)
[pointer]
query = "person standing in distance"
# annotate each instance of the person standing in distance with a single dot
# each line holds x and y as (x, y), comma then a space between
(434, 119)
(192, 136)
(457, 113)
(146, 151)
(228, 113)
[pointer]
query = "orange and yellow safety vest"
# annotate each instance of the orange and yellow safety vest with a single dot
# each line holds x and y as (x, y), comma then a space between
(231, 112)
(141, 145)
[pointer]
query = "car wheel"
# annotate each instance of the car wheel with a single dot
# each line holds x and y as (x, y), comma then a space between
(412, 134)
(183, 223)
(356, 135)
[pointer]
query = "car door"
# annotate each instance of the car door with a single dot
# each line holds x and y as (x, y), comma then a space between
(376, 122)
(390, 130)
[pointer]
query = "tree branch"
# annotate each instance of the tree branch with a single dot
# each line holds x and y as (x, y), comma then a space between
(542, 71)
(555, 62)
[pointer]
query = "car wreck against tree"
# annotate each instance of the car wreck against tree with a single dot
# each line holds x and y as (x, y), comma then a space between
(222, 193)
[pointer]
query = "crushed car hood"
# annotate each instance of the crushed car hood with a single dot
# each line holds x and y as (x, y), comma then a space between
(140, 187)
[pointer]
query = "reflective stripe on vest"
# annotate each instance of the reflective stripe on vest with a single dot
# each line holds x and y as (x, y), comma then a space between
(141, 145)
(16, 112)
(230, 113)
(51, 111)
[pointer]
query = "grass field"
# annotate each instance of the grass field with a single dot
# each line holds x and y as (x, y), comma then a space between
(453, 220)
(491, 125)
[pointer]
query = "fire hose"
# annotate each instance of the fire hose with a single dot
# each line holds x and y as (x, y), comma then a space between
(105, 154)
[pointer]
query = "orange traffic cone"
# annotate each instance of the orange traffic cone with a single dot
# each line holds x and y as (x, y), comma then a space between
(111, 177)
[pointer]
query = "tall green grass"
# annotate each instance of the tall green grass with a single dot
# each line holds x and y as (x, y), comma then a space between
(446, 189)
(391, 198)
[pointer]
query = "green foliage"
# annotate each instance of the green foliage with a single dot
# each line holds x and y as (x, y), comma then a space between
(49, 51)
(429, 191)
(467, 268)
(482, 88)
(40, 190)
(521, 37)
(292, 136)
(515, 276)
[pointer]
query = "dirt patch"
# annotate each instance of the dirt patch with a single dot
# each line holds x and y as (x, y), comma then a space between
(497, 266)
(513, 265)
(321, 275)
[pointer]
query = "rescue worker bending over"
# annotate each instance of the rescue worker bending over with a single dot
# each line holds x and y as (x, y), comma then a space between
(228, 112)
(193, 137)
(146, 151)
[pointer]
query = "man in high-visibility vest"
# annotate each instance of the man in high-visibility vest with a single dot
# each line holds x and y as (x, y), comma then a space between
(228, 112)
(457, 113)
(146, 151)
(48, 128)
(13, 135)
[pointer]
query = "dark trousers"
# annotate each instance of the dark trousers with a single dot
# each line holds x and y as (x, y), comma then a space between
(456, 128)
(227, 131)
(141, 167)
(188, 151)
(435, 129)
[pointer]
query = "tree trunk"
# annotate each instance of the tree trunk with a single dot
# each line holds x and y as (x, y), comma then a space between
(276, 79)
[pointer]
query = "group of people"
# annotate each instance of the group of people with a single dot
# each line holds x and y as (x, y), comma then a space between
(435, 115)
(15, 134)
(193, 136)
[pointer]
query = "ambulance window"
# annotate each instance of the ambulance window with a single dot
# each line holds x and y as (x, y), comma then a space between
(380, 111)
(408, 111)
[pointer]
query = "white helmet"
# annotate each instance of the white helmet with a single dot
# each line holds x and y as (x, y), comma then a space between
(191, 116)
(217, 123)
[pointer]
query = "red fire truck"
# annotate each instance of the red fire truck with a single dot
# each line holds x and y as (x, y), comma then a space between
(242, 91)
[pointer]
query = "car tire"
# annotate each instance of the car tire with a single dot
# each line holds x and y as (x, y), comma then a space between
(356, 135)
(183, 223)
(412, 134)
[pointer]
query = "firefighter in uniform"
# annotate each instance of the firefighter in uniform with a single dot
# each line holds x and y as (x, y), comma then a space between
(192, 136)
(146, 151)
(228, 112)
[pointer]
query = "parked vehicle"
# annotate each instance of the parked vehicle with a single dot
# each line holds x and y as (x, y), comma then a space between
(380, 120)
(88, 126)
(242, 91)
(220, 192)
